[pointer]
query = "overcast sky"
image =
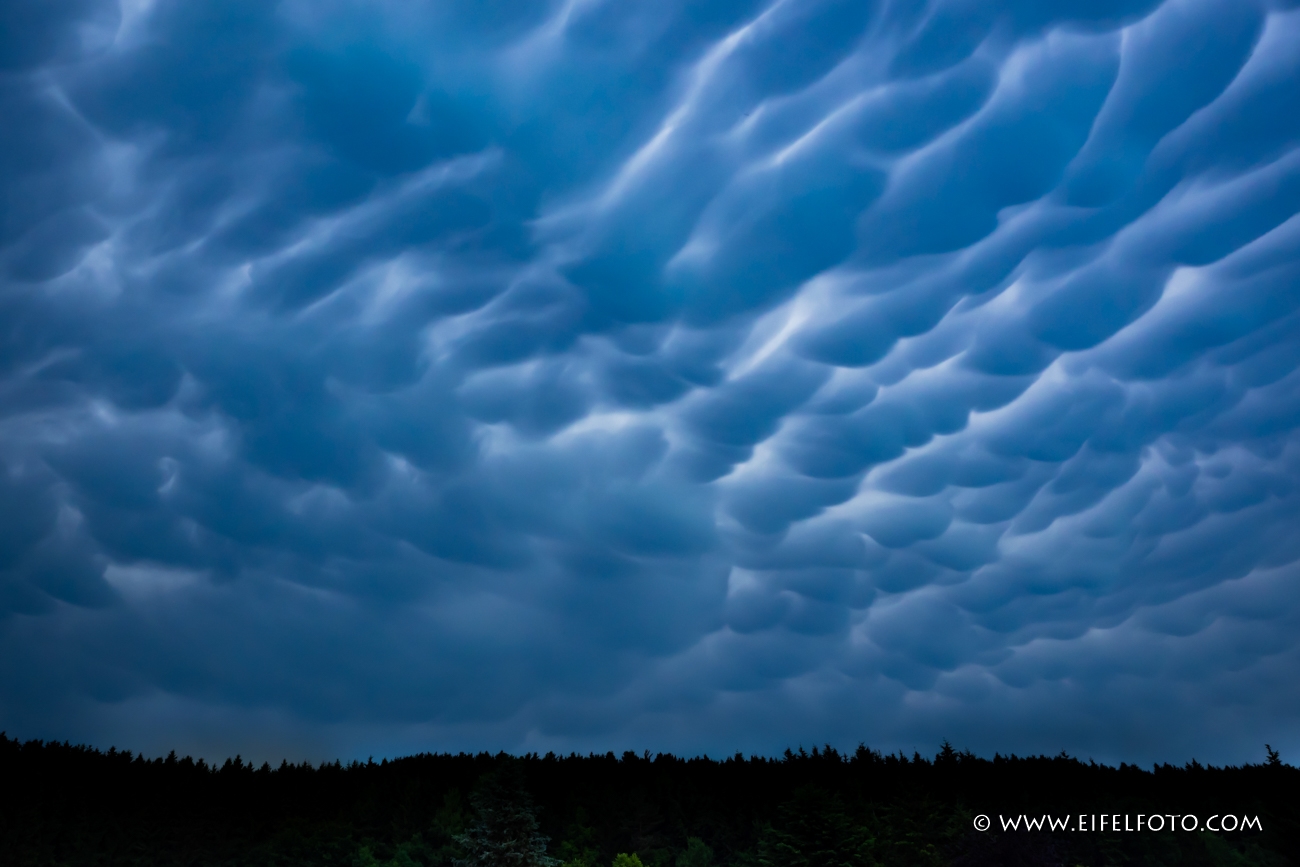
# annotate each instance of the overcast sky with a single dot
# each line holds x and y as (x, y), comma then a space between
(379, 377)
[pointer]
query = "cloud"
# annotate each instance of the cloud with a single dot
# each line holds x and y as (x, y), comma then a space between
(696, 377)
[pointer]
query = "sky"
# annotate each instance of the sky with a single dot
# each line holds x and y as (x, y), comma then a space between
(382, 377)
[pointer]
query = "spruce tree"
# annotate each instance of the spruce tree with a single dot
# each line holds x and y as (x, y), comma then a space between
(504, 832)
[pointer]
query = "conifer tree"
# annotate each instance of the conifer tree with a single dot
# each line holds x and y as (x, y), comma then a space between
(504, 832)
(696, 854)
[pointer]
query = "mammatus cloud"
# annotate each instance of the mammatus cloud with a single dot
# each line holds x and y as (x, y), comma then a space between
(379, 377)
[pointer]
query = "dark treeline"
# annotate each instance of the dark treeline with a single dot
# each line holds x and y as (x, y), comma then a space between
(72, 805)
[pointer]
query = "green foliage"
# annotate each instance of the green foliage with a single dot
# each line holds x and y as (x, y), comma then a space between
(412, 853)
(505, 831)
(625, 860)
(813, 830)
(579, 846)
(450, 818)
(696, 854)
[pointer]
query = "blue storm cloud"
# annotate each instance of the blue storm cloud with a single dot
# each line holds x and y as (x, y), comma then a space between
(378, 377)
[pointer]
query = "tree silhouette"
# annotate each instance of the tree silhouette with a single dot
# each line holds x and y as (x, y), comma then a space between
(813, 830)
(504, 832)
(696, 854)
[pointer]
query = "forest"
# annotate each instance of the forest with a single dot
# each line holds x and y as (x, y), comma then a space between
(75, 805)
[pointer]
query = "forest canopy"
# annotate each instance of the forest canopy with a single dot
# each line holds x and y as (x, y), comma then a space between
(72, 805)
